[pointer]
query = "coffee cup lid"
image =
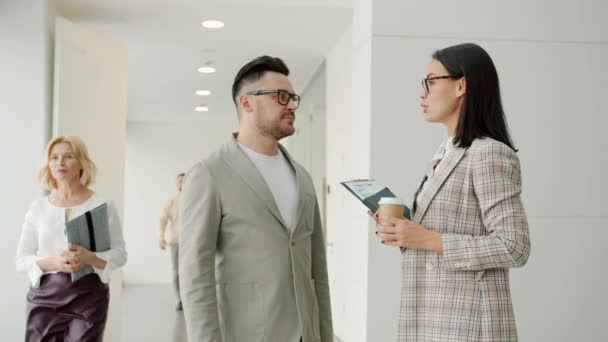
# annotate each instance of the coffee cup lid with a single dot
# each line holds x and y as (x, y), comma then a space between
(390, 200)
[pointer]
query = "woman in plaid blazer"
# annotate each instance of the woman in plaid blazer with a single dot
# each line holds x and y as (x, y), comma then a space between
(468, 226)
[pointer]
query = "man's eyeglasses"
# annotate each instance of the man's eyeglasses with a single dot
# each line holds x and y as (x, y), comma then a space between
(425, 82)
(283, 96)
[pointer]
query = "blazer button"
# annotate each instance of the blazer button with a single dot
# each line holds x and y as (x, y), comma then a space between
(293, 243)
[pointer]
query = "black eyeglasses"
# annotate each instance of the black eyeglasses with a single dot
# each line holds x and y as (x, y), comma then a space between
(283, 96)
(425, 82)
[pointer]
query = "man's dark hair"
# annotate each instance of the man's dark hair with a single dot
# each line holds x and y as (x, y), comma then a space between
(181, 175)
(255, 70)
(482, 114)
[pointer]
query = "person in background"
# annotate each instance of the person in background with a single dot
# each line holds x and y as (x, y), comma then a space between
(170, 215)
(57, 309)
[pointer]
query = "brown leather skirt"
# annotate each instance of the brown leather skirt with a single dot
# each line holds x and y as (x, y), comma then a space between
(61, 311)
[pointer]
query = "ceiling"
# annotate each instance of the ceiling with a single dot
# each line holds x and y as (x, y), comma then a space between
(167, 44)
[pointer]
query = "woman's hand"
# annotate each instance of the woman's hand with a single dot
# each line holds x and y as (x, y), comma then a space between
(374, 216)
(67, 264)
(402, 232)
(60, 263)
(80, 256)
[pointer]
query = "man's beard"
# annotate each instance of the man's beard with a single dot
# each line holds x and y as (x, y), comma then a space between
(274, 129)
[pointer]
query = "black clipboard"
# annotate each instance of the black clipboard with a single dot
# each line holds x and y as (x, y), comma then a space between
(91, 231)
(371, 201)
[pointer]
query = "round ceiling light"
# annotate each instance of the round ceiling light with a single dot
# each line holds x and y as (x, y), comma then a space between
(201, 108)
(206, 70)
(203, 92)
(212, 24)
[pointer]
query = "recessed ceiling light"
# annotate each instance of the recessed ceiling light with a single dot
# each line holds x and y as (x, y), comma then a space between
(206, 70)
(203, 92)
(212, 24)
(201, 108)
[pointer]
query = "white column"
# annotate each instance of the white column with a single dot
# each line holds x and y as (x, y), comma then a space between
(25, 107)
(91, 102)
(347, 157)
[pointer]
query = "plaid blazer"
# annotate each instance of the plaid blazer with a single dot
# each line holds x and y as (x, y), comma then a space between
(473, 199)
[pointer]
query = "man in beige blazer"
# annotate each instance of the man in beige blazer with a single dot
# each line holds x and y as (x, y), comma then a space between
(252, 255)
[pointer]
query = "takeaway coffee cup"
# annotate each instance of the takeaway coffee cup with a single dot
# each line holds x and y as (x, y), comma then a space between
(391, 206)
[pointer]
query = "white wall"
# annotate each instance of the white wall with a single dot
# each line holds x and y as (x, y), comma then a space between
(156, 153)
(347, 231)
(90, 101)
(25, 66)
(552, 81)
(307, 145)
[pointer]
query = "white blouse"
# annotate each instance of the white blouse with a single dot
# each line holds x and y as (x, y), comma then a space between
(43, 235)
(442, 152)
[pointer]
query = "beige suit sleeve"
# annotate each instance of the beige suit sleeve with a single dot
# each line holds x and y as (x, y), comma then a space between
(164, 218)
(319, 274)
(497, 185)
(200, 213)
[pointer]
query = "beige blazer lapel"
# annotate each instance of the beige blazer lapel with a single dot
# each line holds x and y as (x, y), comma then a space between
(443, 170)
(243, 166)
(301, 185)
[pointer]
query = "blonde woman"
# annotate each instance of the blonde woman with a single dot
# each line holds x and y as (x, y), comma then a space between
(58, 309)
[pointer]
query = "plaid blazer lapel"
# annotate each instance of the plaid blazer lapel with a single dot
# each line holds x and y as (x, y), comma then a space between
(443, 170)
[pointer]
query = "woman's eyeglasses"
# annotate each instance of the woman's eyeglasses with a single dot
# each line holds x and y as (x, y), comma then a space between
(425, 82)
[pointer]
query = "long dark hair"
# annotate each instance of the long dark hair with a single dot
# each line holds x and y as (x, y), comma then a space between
(482, 114)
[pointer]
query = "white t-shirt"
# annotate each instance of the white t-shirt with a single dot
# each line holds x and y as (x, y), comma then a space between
(43, 235)
(281, 179)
